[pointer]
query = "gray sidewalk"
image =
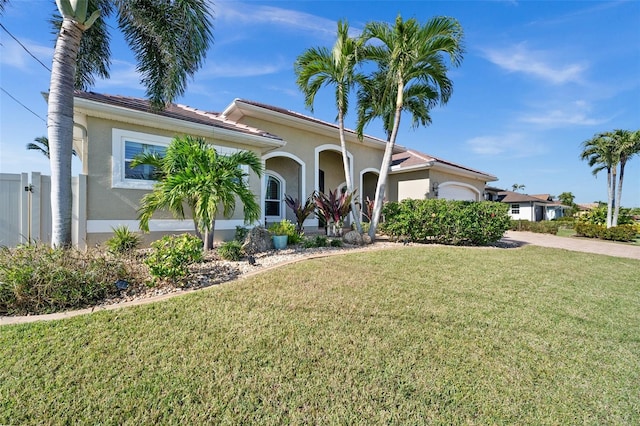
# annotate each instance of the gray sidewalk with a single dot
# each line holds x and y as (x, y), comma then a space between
(586, 245)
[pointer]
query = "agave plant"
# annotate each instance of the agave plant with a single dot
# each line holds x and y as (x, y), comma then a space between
(334, 207)
(302, 211)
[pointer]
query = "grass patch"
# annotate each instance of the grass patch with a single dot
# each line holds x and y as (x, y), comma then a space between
(417, 335)
(566, 232)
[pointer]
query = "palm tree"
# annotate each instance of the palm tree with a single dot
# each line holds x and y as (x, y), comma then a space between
(318, 67)
(374, 102)
(42, 145)
(410, 59)
(628, 145)
(193, 173)
(169, 39)
(600, 152)
(517, 187)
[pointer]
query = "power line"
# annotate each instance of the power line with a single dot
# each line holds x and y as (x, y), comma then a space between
(21, 104)
(24, 47)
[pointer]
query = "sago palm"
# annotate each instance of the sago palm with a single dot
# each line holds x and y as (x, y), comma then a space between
(318, 67)
(411, 58)
(193, 173)
(169, 40)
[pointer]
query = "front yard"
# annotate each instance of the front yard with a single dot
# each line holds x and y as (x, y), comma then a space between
(410, 335)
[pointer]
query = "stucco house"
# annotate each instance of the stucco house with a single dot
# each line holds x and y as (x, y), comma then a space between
(300, 154)
(534, 208)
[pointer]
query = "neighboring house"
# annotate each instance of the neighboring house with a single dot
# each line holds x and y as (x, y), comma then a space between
(301, 154)
(534, 208)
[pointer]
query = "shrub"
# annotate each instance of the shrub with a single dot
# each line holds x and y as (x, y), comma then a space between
(615, 233)
(285, 227)
(365, 227)
(446, 222)
(317, 241)
(619, 233)
(38, 279)
(598, 216)
(241, 233)
(544, 227)
(171, 256)
(336, 243)
(123, 240)
(231, 250)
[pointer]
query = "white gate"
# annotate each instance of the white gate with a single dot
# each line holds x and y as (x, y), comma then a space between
(25, 209)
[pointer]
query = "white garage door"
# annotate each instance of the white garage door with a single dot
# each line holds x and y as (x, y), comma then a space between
(457, 192)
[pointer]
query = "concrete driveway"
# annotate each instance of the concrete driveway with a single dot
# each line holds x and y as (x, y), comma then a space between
(587, 245)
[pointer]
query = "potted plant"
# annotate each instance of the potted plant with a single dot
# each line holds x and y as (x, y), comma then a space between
(280, 233)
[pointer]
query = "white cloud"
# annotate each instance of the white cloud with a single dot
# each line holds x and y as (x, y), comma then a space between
(515, 145)
(123, 74)
(576, 113)
(15, 56)
(540, 64)
(241, 69)
(252, 14)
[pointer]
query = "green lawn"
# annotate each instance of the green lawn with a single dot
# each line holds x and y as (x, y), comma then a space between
(414, 335)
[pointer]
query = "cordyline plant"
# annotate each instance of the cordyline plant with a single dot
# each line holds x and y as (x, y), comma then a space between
(302, 211)
(335, 206)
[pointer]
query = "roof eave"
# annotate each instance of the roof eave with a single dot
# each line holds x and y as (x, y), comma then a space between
(238, 108)
(129, 115)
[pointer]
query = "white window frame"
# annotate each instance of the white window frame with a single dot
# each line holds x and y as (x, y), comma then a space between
(515, 208)
(120, 137)
(283, 190)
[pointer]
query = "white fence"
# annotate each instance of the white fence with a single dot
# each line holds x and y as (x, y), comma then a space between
(25, 209)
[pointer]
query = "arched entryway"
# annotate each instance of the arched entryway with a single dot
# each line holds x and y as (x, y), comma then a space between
(284, 174)
(368, 184)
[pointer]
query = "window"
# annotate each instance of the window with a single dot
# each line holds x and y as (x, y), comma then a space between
(515, 208)
(273, 197)
(143, 172)
(125, 146)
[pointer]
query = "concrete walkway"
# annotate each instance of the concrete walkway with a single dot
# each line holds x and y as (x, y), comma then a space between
(587, 245)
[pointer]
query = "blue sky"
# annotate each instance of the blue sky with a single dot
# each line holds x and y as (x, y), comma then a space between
(538, 78)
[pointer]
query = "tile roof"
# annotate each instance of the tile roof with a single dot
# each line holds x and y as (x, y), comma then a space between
(302, 117)
(177, 111)
(516, 197)
(412, 158)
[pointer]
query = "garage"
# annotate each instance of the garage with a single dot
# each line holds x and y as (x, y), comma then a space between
(457, 191)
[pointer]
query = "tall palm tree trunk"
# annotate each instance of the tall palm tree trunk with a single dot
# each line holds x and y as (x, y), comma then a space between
(60, 129)
(616, 207)
(386, 165)
(355, 212)
(610, 183)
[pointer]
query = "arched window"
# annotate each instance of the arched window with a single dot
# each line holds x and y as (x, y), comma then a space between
(274, 194)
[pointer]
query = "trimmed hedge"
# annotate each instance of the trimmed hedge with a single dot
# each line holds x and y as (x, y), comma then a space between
(445, 221)
(544, 227)
(615, 233)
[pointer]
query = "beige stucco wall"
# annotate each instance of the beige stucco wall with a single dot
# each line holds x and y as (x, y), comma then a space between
(303, 143)
(418, 184)
(105, 203)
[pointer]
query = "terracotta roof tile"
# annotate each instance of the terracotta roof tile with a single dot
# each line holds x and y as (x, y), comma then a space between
(177, 111)
(301, 116)
(412, 158)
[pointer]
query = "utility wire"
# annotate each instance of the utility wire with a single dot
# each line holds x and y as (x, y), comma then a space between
(23, 46)
(23, 105)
